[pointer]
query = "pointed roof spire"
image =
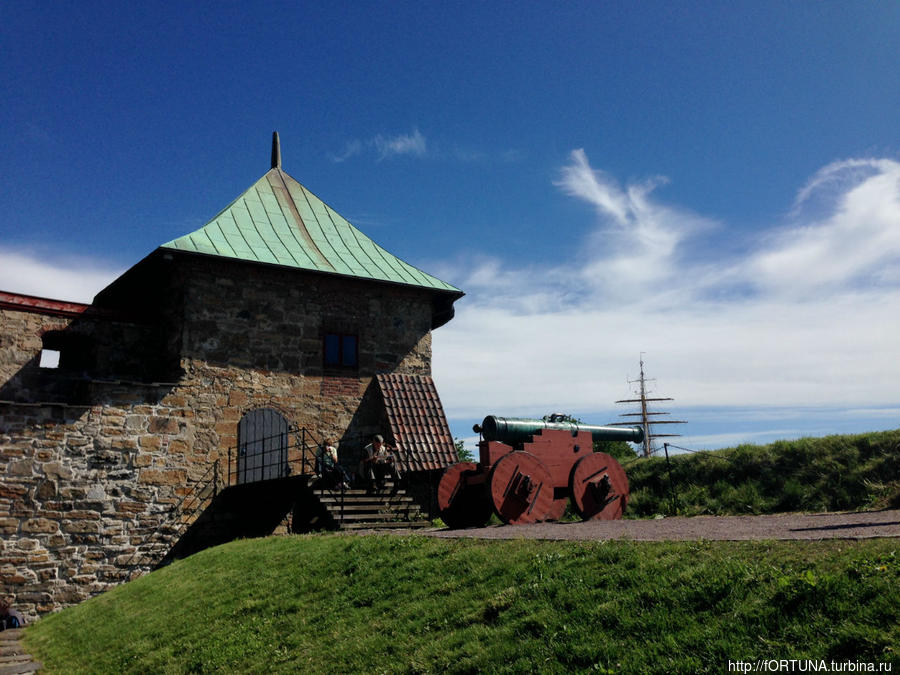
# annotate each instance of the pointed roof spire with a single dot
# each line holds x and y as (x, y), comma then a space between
(276, 151)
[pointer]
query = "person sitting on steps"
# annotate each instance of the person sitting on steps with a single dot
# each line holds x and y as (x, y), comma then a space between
(378, 461)
(332, 472)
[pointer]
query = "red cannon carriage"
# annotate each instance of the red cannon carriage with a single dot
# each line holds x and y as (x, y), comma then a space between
(529, 469)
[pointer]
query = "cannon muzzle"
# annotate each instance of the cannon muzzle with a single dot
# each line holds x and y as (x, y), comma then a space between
(512, 430)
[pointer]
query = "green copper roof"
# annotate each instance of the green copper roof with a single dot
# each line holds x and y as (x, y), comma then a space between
(278, 221)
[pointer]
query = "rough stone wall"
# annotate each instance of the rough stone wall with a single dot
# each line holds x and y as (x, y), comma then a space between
(90, 467)
(259, 336)
(87, 464)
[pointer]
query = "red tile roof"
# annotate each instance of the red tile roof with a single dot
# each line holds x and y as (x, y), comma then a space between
(417, 422)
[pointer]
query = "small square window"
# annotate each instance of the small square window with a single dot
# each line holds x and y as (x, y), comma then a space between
(49, 358)
(341, 350)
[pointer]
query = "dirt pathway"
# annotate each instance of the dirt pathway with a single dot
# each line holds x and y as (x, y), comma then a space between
(855, 525)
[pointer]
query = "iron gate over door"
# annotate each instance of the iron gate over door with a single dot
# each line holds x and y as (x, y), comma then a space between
(262, 446)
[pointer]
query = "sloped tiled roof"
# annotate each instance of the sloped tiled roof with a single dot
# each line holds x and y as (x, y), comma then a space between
(278, 221)
(417, 422)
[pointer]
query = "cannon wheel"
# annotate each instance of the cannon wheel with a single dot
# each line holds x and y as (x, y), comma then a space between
(521, 489)
(462, 505)
(599, 487)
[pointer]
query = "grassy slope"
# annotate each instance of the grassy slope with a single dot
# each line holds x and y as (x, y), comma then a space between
(411, 604)
(834, 473)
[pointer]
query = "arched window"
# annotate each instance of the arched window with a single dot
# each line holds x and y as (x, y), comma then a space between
(262, 446)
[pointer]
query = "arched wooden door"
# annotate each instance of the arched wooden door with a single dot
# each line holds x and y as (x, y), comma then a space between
(262, 446)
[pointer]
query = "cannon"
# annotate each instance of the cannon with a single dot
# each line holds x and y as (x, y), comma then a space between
(529, 469)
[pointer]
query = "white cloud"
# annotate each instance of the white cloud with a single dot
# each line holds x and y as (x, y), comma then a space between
(413, 144)
(857, 242)
(809, 316)
(75, 280)
(351, 149)
(402, 144)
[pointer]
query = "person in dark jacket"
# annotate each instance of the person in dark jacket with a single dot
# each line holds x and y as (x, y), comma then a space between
(10, 618)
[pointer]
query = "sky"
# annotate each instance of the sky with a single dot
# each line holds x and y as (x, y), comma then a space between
(713, 187)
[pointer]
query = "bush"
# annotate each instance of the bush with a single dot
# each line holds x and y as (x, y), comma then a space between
(833, 473)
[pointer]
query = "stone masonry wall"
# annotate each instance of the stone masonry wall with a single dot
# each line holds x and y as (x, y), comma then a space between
(84, 477)
(252, 334)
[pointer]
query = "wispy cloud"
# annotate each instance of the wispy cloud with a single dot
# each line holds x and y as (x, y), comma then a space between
(62, 279)
(413, 144)
(854, 244)
(807, 315)
(403, 144)
(351, 149)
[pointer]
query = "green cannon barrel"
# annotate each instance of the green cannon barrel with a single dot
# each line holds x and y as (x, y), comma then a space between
(512, 430)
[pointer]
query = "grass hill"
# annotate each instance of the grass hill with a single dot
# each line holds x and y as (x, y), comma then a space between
(834, 473)
(347, 604)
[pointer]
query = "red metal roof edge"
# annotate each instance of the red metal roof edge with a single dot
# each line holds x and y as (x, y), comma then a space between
(33, 303)
(63, 308)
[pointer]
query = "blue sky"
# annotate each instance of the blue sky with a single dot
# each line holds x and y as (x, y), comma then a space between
(716, 185)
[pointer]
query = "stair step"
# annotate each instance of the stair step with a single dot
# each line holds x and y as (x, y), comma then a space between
(375, 501)
(403, 524)
(360, 493)
(395, 508)
(372, 516)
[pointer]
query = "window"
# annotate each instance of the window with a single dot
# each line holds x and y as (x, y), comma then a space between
(341, 349)
(66, 351)
(49, 358)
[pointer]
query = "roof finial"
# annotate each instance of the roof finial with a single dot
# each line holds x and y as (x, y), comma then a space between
(276, 151)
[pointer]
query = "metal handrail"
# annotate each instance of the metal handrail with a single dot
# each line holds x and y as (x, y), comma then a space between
(184, 513)
(193, 502)
(306, 442)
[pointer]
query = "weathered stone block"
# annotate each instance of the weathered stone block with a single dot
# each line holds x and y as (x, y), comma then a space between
(33, 597)
(20, 467)
(143, 460)
(56, 541)
(39, 525)
(162, 476)
(149, 443)
(131, 508)
(46, 489)
(177, 447)
(163, 425)
(12, 491)
(57, 470)
(135, 422)
(47, 574)
(80, 527)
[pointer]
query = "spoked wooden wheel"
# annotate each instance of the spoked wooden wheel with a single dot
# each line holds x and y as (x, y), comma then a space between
(520, 489)
(462, 504)
(599, 487)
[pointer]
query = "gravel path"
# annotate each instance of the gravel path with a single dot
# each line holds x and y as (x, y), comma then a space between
(855, 525)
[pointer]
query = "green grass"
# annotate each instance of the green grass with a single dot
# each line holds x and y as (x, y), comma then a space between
(339, 604)
(834, 473)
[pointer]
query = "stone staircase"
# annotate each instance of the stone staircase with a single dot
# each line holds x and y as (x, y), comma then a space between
(384, 508)
(14, 660)
(278, 506)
